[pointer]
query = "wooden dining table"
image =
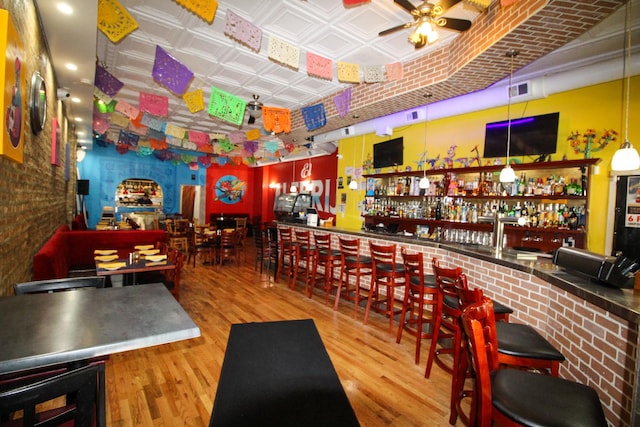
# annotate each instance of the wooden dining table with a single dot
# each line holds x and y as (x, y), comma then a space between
(62, 328)
(130, 269)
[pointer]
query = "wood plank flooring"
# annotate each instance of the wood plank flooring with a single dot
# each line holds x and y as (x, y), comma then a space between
(175, 384)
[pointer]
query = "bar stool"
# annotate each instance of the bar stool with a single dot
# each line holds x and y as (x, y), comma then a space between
(519, 346)
(352, 263)
(327, 258)
(305, 253)
(421, 292)
(385, 272)
(513, 397)
(287, 250)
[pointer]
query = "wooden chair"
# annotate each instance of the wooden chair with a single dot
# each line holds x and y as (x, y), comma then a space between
(227, 249)
(421, 293)
(177, 234)
(327, 258)
(57, 285)
(305, 254)
(86, 408)
(511, 397)
(287, 249)
(171, 278)
(385, 272)
(352, 263)
(198, 245)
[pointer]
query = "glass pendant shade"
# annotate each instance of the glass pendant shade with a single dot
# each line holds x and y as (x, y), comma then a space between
(353, 185)
(293, 189)
(507, 174)
(424, 183)
(626, 158)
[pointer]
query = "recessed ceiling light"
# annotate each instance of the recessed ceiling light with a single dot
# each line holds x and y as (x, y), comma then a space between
(78, 119)
(65, 8)
(81, 133)
(75, 99)
(72, 67)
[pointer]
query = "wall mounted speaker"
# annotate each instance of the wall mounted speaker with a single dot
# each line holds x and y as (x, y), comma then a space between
(83, 187)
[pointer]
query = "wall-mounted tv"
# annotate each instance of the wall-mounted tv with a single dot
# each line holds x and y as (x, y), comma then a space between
(388, 153)
(530, 136)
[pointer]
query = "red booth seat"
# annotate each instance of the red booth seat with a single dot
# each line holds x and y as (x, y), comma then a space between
(69, 251)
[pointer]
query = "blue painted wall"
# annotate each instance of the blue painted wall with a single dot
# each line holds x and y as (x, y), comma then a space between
(105, 168)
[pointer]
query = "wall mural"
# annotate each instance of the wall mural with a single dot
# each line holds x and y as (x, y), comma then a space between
(229, 189)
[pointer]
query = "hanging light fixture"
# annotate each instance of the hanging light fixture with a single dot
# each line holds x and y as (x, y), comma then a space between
(507, 174)
(424, 181)
(626, 157)
(293, 188)
(353, 185)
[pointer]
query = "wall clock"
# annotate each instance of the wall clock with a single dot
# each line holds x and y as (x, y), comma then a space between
(37, 103)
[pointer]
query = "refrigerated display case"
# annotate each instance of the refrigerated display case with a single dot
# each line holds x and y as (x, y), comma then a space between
(292, 207)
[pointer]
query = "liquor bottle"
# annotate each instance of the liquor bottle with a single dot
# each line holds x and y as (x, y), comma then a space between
(438, 211)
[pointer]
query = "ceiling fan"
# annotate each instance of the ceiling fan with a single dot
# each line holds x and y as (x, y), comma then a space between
(427, 16)
(255, 109)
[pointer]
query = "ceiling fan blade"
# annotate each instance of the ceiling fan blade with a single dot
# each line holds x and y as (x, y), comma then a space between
(396, 28)
(454, 23)
(251, 120)
(406, 5)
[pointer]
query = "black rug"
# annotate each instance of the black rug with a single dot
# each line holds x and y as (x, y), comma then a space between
(279, 374)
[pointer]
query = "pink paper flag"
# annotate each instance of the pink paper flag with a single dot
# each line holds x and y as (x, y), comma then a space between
(394, 71)
(318, 66)
(243, 31)
(236, 137)
(154, 104)
(127, 109)
(199, 138)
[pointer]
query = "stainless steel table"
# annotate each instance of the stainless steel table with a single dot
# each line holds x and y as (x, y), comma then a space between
(40, 330)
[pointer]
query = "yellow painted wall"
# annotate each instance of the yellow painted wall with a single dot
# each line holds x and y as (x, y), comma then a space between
(597, 107)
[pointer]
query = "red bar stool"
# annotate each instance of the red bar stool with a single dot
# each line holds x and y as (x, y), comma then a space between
(388, 273)
(287, 251)
(305, 253)
(421, 292)
(352, 263)
(327, 258)
(513, 397)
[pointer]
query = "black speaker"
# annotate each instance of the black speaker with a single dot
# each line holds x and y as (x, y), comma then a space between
(83, 187)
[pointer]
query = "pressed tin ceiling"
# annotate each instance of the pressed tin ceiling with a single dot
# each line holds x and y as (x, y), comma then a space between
(458, 63)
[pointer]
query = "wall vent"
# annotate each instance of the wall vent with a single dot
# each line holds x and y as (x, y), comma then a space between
(520, 89)
(412, 115)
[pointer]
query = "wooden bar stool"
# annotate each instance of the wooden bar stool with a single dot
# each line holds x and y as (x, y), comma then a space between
(388, 273)
(287, 251)
(513, 397)
(352, 263)
(519, 346)
(327, 258)
(421, 292)
(305, 253)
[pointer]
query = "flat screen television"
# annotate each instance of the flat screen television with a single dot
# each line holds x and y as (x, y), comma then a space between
(530, 136)
(388, 153)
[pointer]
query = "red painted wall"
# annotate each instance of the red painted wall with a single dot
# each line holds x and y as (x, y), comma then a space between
(259, 192)
(322, 170)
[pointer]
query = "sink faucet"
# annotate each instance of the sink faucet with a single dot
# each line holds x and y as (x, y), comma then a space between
(499, 220)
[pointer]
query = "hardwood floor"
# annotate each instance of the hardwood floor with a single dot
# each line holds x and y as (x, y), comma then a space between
(175, 384)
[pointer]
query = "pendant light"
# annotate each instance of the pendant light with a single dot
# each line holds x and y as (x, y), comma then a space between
(424, 181)
(353, 185)
(626, 157)
(293, 188)
(507, 174)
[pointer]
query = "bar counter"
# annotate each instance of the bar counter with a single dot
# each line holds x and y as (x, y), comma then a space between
(594, 326)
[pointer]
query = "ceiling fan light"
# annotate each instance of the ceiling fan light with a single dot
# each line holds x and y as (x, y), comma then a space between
(415, 38)
(507, 174)
(625, 158)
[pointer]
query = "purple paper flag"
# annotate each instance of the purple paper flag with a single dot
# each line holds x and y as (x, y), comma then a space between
(170, 73)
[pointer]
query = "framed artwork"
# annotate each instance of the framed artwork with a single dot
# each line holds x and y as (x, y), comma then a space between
(14, 95)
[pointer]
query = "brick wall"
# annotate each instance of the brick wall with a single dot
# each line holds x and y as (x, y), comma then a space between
(600, 348)
(35, 197)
